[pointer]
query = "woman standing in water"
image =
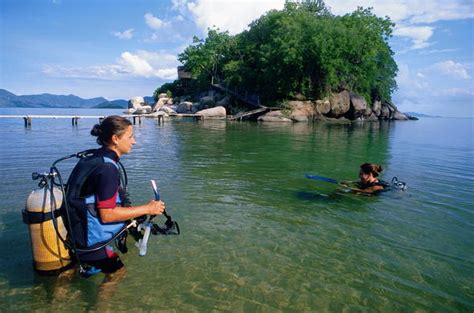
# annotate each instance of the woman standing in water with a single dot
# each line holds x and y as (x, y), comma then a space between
(98, 206)
(100, 203)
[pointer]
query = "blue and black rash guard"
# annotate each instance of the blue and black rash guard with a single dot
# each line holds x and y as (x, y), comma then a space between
(105, 181)
(102, 188)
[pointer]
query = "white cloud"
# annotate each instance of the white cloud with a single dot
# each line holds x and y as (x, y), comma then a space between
(153, 22)
(139, 64)
(410, 85)
(410, 11)
(409, 14)
(179, 5)
(135, 65)
(128, 34)
(441, 10)
(233, 16)
(432, 51)
(452, 92)
(419, 92)
(106, 72)
(450, 68)
(418, 34)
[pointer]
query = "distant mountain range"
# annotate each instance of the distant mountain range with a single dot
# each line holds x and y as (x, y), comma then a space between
(415, 114)
(46, 100)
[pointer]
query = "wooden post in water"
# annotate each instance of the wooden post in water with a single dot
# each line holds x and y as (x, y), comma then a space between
(74, 120)
(28, 121)
(139, 119)
(160, 119)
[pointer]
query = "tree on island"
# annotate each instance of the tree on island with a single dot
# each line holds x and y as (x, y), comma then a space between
(301, 49)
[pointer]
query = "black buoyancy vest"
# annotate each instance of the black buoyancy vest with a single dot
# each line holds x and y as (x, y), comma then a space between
(76, 194)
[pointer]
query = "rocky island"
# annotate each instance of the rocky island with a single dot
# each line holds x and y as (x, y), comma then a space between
(300, 64)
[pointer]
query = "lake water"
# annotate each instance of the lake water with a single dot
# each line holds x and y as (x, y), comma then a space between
(257, 236)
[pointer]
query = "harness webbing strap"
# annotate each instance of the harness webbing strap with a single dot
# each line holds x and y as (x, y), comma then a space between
(39, 217)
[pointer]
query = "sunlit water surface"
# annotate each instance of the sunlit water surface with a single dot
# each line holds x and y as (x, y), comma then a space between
(256, 234)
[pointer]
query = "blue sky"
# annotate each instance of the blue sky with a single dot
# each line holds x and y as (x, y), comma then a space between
(127, 48)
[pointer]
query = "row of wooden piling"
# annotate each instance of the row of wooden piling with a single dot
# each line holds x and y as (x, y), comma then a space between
(28, 119)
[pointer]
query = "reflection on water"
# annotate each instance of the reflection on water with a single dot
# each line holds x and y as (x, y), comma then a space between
(256, 234)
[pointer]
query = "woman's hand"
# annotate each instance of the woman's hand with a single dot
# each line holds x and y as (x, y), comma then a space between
(155, 207)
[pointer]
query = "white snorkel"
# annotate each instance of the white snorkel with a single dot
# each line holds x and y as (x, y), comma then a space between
(146, 225)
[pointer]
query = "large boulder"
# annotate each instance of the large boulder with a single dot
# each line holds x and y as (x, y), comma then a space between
(323, 106)
(136, 103)
(144, 109)
(184, 107)
(400, 116)
(377, 107)
(384, 112)
(358, 106)
(372, 117)
(340, 103)
(217, 112)
(301, 111)
(358, 102)
(161, 102)
(274, 116)
(168, 110)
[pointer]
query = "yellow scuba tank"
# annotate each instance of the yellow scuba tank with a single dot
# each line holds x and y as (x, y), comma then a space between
(49, 252)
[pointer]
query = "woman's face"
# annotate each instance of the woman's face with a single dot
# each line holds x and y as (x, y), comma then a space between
(124, 142)
(365, 178)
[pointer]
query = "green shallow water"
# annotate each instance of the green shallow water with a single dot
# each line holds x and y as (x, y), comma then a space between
(257, 236)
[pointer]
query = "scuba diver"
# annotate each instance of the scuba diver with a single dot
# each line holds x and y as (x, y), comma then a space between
(78, 221)
(97, 197)
(368, 183)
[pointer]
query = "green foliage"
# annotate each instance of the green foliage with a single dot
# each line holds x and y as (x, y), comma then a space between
(300, 49)
(167, 88)
(206, 58)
